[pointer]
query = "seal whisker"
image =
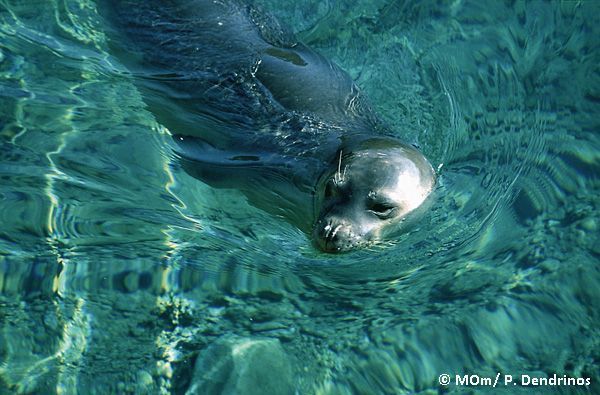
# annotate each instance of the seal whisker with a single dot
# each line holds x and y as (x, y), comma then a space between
(339, 177)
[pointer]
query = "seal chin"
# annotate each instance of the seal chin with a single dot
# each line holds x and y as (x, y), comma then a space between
(337, 236)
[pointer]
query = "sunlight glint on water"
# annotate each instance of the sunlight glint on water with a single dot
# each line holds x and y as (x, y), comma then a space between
(120, 273)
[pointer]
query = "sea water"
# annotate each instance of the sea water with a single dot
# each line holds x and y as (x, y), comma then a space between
(119, 273)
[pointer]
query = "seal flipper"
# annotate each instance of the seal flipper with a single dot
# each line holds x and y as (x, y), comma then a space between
(252, 174)
(198, 150)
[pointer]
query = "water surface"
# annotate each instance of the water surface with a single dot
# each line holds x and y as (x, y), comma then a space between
(119, 272)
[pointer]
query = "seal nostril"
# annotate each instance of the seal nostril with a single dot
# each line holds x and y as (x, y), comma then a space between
(333, 233)
(335, 236)
(325, 231)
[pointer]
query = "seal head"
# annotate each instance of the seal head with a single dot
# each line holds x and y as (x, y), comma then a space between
(369, 193)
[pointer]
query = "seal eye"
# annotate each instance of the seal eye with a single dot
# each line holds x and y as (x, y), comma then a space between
(383, 210)
(330, 189)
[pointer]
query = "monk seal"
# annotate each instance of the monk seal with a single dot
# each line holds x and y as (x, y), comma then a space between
(250, 107)
(370, 192)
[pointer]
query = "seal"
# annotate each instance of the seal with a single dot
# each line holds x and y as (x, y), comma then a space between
(252, 108)
(372, 190)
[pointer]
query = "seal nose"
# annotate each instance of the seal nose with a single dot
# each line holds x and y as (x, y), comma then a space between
(334, 236)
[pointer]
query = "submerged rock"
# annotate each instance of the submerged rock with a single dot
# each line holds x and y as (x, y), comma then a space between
(242, 366)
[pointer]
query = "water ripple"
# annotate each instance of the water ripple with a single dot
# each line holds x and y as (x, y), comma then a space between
(128, 268)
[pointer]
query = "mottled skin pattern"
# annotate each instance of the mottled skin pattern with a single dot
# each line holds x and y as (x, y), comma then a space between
(250, 107)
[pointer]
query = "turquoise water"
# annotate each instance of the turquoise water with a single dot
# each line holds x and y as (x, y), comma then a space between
(120, 273)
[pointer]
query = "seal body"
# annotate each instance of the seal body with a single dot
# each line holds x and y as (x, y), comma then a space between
(250, 107)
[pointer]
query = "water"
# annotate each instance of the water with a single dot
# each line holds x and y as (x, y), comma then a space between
(119, 273)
